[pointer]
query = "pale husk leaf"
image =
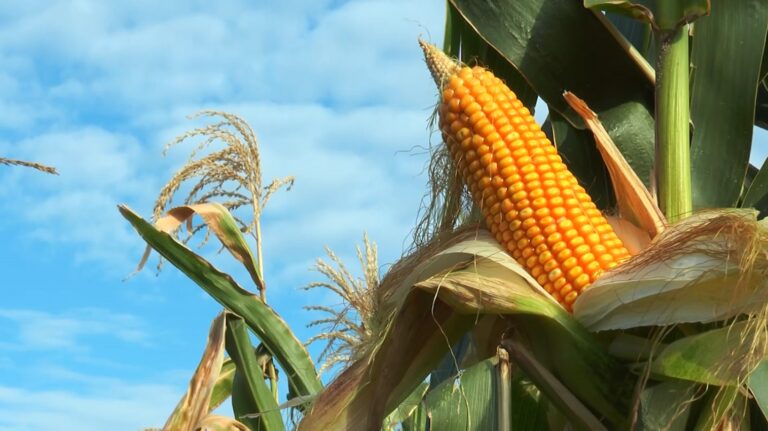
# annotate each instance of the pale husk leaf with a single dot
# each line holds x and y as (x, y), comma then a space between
(710, 267)
(635, 201)
(220, 423)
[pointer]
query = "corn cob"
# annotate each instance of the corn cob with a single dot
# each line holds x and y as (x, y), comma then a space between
(531, 202)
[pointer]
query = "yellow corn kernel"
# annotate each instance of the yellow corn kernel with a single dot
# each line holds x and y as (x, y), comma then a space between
(530, 200)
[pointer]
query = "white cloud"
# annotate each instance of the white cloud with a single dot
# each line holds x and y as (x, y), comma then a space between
(122, 59)
(37, 330)
(334, 90)
(99, 169)
(332, 97)
(121, 405)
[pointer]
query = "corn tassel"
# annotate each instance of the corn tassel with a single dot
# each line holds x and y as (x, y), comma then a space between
(531, 202)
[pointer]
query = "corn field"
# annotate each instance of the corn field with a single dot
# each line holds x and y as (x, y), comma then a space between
(604, 270)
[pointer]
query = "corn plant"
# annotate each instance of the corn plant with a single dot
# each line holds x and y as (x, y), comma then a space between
(673, 337)
(603, 270)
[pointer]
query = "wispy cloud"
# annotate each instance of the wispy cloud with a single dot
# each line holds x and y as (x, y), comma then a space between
(118, 405)
(333, 97)
(25, 330)
(336, 92)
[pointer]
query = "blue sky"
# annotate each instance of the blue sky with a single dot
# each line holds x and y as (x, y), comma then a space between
(339, 97)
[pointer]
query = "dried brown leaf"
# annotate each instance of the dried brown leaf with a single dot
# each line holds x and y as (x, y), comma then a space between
(193, 407)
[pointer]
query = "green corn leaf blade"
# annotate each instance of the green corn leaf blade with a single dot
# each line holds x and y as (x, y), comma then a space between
(467, 402)
(580, 53)
(757, 194)
(265, 323)
(719, 405)
(693, 358)
(764, 66)
(222, 389)
(416, 421)
(589, 375)
(447, 367)
(667, 405)
(685, 11)
(251, 393)
(639, 34)
(407, 407)
(527, 406)
(757, 420)
(579, 153)
(636, 10)
(569, 404)
(761, 106)
(219, 221)
(751, 174)
(474, 49)
(722, 98)
(758, 385)
(452, 34)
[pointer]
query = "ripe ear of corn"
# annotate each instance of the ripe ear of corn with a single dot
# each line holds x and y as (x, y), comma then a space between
(531, 202)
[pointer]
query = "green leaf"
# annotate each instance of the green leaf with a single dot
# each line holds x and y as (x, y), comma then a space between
(721, 404)
(467, 402)
(761, 106)
(417, 421)
(221, 223)
(464, 40)
(650, 11)
(667, 405)
(579, 54)
(571, 405)
(446, 369)
(251, 393)
(693, 358)
(639, 34)
(265, 323)
(408, 406)
(222, 389)
(757, 194)
(722, 98)
(637, 10)
(764, 66)
(757, 420)
(528, 407)
(758, 385)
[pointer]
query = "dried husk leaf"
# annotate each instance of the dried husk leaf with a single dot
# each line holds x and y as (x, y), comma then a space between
(220, 423)
(468, 246)
(709, 267)
(194, 407)
(635, 202)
